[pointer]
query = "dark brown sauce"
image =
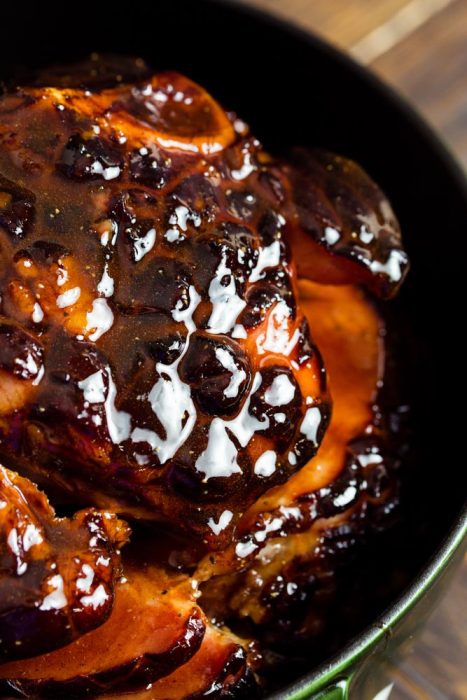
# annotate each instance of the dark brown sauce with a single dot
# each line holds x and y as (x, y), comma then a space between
(160, 359)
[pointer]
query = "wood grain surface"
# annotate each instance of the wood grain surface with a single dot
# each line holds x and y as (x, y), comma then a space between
(420, 47)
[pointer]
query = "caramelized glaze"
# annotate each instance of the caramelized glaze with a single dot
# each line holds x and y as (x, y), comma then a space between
(160, 358)
(146, 270)
(57, 575)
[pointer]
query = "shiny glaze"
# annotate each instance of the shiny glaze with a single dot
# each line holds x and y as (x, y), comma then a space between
(306, 531)
(57, 575)
(163, 628)
(220, 669)
(148, 301)
(294, 540)
(156, 359)
(352, 233)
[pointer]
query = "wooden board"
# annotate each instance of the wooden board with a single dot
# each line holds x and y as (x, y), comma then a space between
(419, 46)
(343, 22)
(430, 68)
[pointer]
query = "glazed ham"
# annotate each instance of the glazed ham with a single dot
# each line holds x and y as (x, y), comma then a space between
(148, 284)
(172, 300)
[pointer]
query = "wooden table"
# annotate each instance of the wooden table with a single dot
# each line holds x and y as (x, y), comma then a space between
(420, 46)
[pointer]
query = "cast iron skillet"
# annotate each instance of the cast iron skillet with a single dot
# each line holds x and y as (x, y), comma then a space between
(294, 89)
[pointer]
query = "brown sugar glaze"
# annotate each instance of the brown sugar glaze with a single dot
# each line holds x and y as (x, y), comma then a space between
(160, 358)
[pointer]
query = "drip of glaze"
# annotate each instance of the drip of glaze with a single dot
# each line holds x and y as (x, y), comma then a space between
(172, 235)
(142, 246)
(270, 525)
(244, 549)
(93, 388)
(99, 320)
(344, 498)
(181, 216)
(277, 339)
(372, 458)
(106, 285)
(238, 375)
(84, 582)
(226, 304)
(239, 331)
(37, 314)
(365, 235)
(331, 235)
(220, 456)
(244, 426)
(68, 298)
(179, 222)
(62, 275)
(223, 522)
(396, 260)
(31, 537)
(107, 173)
(310, 424)
(268, 257)
(56, 599)
(29, 365)
(94, 392)
(170, 398)
(246, 168)
(266, 464)
(14, 546)
(96, 599)
(281, 391)
(118, 422)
